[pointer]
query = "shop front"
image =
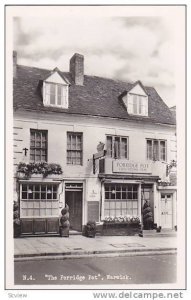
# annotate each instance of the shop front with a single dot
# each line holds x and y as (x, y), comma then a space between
(126, 187)
(39, 207)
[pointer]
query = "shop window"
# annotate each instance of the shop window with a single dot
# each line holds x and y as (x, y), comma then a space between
(121, 200)
(74, 148)
(40, 200)
(117, 146)
(156, 150)
(38, 145)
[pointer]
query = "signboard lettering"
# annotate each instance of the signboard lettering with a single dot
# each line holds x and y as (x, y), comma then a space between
(125, 166)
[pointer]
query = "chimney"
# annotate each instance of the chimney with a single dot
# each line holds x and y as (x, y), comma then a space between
(77, 68)
(14, 64)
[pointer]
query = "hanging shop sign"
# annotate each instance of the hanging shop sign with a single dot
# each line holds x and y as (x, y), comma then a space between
(124, 166)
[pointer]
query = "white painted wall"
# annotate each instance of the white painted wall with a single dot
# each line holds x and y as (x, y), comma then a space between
(94, 130)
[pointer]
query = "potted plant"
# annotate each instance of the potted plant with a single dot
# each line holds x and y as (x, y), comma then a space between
(64, 221)
(16, 220)
(147, 216)
(121, 225)
(90, 229)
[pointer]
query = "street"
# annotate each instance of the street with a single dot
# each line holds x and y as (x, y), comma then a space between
(148, 269)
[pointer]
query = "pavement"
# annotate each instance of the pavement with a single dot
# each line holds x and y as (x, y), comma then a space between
(76, 246)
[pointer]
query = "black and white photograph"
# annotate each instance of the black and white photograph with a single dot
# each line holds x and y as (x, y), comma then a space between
(95, 152)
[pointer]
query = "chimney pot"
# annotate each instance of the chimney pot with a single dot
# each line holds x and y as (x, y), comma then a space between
(77, 68)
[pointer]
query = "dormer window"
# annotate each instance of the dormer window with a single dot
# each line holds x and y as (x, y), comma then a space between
(55, 90)
(56, 95)
(137, 105)
(136, 100)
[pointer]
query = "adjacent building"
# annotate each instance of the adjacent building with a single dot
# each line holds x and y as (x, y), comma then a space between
(101, 146)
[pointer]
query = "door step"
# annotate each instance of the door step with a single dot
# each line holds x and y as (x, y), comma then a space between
(163, 233)
(74, 232)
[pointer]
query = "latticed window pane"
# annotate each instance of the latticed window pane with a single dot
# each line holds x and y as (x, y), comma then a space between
(149, 150)
(109, 146)
(135, 102)
(39, 200)
(163, 150)
(38, 145)
(117, 146)
(156, 150)
(74, 148)
(121, 199)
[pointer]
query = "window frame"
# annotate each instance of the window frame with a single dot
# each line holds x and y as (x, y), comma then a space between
(159, 155)
(121, 203)
(64, 96)
(80, 151)
(41, 131)
(135, 101)
(39, 204)
(113, 149)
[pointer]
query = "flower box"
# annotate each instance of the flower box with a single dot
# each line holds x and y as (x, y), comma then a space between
(120, 228)
(39, 169)
(39, 176)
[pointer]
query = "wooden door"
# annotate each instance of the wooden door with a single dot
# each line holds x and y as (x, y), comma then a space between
(74, 200)
(166, 211)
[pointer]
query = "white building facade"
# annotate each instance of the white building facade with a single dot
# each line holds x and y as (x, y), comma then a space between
(65, 120)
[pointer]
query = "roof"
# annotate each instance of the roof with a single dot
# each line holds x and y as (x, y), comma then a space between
(97, 97)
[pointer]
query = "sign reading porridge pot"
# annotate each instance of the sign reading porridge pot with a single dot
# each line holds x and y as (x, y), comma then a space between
(125, 166)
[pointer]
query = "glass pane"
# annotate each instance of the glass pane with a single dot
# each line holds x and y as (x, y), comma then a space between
(33, 143)
(112, 212)
(42, 204)
(37, 188)
(117, 213)
(24, 204)
(112, 204)
(48, 212)
(43, 188)
(106, 205)
(48, 204)
(118, 195)
(109, 146)
(118, 204)
(54, 204)
(59, 100)
(54, 212)
(155, 150)
(42, 212)
(106, 195)
(117, 147)
(129, 195)
(30, 212)
(149, 149)
(36, 212)
(37, 195)
(55, 195)
(36, 204)
(73, 142)
(135, 104)
(123, 148)
(24, 195)
(24, 212)
(52, 99)
(123, 204)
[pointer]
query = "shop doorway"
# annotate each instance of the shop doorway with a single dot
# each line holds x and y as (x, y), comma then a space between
(166, 211)
(73, 198)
